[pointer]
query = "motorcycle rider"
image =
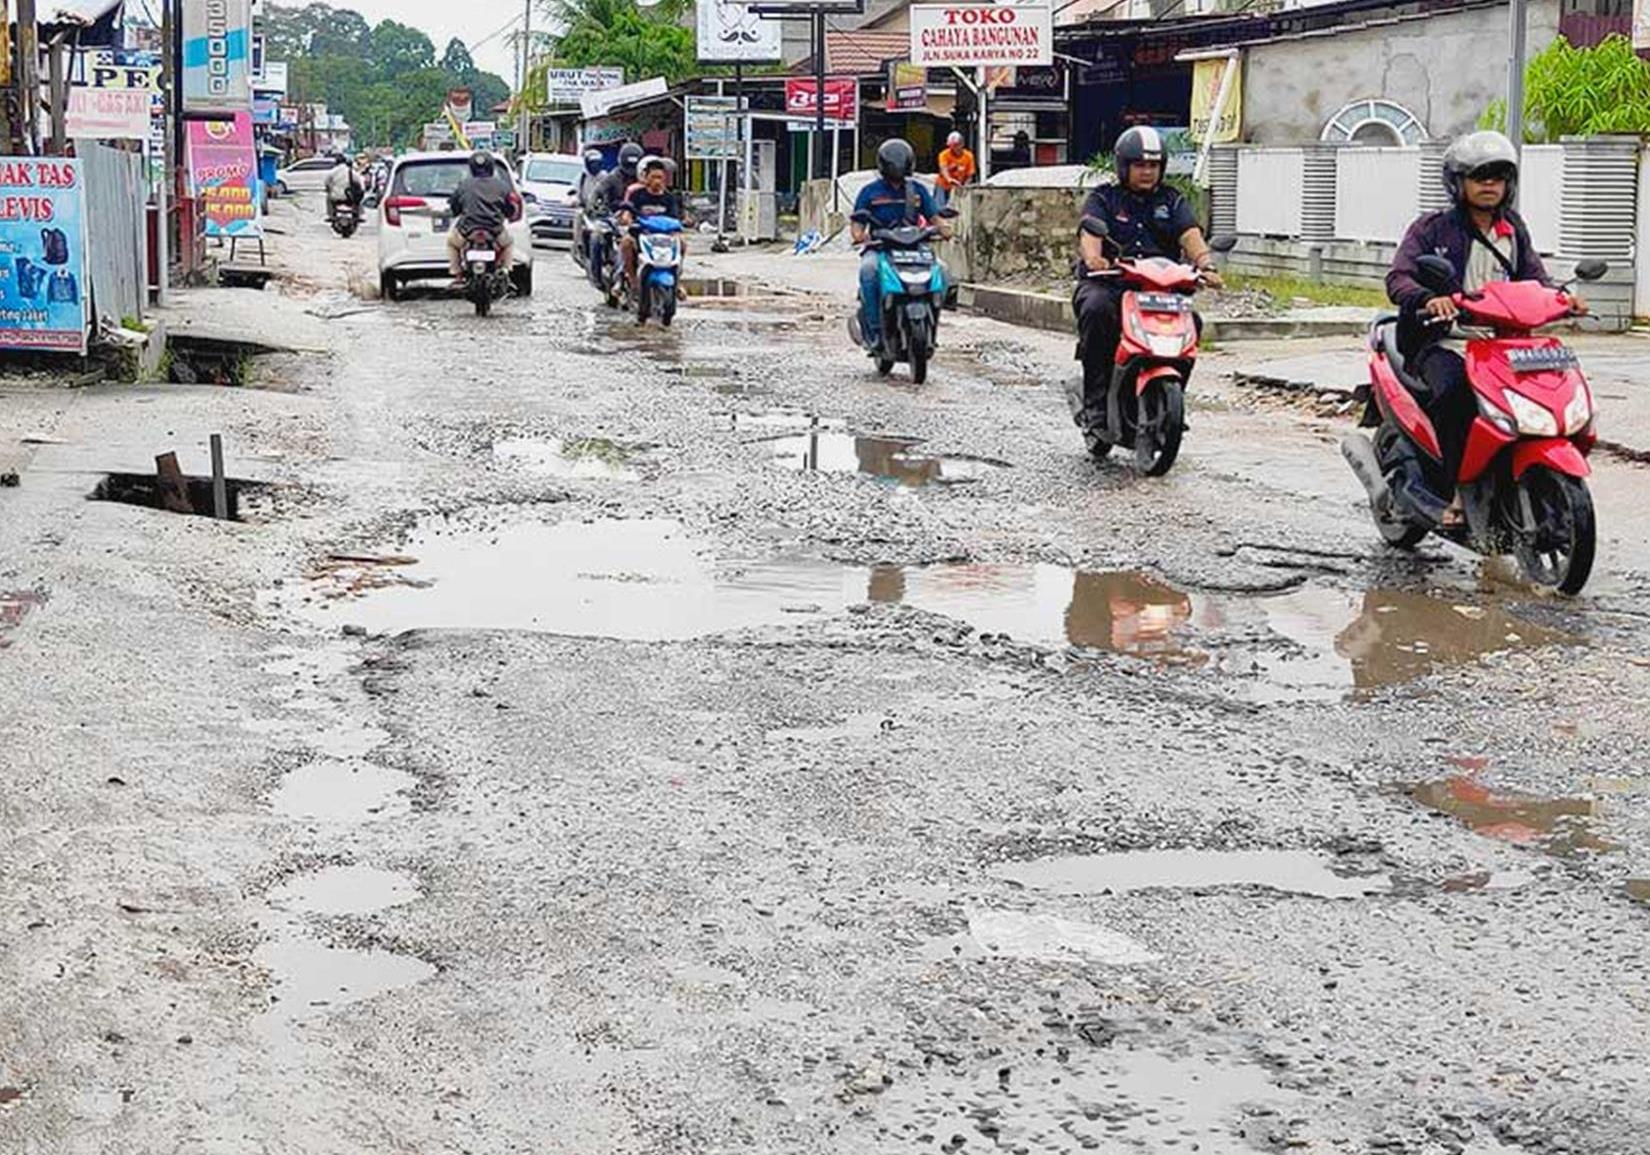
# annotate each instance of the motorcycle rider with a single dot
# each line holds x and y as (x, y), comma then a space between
(893, 200)
(610, 190)
(483, 201)
(652, 197)
(343, 184)
(1485, 239)
(583, 240)
(1144, 217)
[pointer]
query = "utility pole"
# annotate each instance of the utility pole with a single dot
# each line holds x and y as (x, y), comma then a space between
(1515, 75)
(822, 166)
(28, 75)
(523, 119)
(163, 198)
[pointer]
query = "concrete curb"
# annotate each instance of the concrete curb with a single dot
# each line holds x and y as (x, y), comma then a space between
(1052, 311)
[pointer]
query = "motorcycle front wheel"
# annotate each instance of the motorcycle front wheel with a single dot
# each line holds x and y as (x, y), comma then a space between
(919, 347)
(1161, 424)
(1557, 535)
(667, 305)
(644, 303)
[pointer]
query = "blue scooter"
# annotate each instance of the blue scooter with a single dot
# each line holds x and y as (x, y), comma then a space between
(658, 267)
(914, 289)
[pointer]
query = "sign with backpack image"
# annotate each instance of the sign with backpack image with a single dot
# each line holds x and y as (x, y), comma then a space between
(43, 282)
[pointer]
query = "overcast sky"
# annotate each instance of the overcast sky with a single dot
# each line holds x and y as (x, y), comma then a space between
(472, 21)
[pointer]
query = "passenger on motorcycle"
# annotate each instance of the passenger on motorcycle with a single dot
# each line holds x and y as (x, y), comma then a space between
(1144, 217)
(583, 238)
(610, 190)
(650, 198)
(482, 202)
(892, 200)
(1486, 240)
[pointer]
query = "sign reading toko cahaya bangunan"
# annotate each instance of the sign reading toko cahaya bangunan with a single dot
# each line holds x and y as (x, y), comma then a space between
(217, 57)
(966, 35)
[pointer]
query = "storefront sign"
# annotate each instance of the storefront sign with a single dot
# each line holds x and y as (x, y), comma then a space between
(841, 100)
(112, 97)
(217, 56)
(273, 82)
(566, 85)
(712, 128)
(43, 287)
(1641, 25)
(732, 32)
(601, 102)
(969, 35)
(907, 87)
(1207, 81)
(223, 173)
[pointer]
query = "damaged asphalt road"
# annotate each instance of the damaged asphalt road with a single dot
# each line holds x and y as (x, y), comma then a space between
(593, 740)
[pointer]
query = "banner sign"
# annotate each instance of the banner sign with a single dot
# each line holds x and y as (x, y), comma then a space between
(970, 35)
(600, 103)
(907, 87)
(43, 280)
(712, 126)
(841, 100)
(265, 112)
(566, 85)
(1641, 25)
(112, 96)
(731, 32)
(1207, 77)
(273, 82)
(217, 56)
(223, 173)
(459, 103)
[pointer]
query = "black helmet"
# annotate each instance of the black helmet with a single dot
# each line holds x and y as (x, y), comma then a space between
(895, 160)
(629, 157)
(1485, 155)
(481, 163)
(1137, 144)
(593, 161)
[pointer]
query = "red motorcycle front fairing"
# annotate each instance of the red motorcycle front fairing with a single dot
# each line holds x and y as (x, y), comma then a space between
(1484, 444)
(1492, 370)
(1558, 454)
(1399, 404)
(1158, 327)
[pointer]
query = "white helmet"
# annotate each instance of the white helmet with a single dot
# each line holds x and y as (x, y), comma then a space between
(1484, 154)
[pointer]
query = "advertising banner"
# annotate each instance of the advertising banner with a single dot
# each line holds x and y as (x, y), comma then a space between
(730, 32)
(712, 128)
(567, 85)
(1207, 77)
(112, 96)
(217, 57)
(907, 87)
(970, 35)
(223, 173)
(602, 101)
(43, 280)
(841, 100)
(1641, 25)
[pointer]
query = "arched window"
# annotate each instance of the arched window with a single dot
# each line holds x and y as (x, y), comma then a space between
(1375, 122)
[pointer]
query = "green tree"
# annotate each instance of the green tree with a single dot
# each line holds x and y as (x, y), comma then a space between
(457, 60)
(617, 32)
(1570, 91)
(396, 49)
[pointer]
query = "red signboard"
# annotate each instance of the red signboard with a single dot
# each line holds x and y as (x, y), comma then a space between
(841, 99)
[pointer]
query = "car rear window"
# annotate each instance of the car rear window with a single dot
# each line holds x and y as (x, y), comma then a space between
(548, 171)
(435, 178)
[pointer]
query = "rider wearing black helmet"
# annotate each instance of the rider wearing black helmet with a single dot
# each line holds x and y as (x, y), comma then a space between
(483, 201)
(892, 200)
(610, 190)
(1144, 217)
(595, 167)
(1485, 239)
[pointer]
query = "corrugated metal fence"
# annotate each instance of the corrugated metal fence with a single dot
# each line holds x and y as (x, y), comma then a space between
(116, 195)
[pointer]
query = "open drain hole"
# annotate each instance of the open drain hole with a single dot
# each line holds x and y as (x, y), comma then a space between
(146, 490)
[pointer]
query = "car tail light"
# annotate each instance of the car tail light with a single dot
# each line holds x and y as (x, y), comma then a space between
(394, 205)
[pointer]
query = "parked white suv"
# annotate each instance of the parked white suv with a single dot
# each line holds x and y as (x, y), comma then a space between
(414, 219)
(307, 175)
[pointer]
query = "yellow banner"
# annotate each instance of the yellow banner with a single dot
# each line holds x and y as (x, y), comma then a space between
(1207, 79)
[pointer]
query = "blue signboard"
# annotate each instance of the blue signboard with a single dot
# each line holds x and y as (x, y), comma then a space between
(43, 281)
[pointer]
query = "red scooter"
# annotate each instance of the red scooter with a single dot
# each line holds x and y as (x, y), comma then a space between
(1523, 476)
(1146, 399)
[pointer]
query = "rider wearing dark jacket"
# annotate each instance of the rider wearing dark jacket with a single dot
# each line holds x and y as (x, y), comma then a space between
(482, 202)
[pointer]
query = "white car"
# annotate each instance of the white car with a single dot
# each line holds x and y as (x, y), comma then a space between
(308, 175)
(551, 181)
(414, 220)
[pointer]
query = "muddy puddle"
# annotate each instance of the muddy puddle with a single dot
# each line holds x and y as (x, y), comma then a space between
(338, 790)
(579, 458)
(1287, 871)
(1016, 934)
(1118, 1100)
(310, 977)
(14, 607)
(1562, 827)
(339, 890)
(892, 459)
(1638, 889)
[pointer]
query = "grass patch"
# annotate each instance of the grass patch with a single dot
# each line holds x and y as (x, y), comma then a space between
(1284, 290)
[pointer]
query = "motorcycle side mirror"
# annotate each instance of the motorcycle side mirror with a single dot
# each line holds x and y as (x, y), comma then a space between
(1436, 274)
(1094, 227)
(1224, 243)
(1591, 269)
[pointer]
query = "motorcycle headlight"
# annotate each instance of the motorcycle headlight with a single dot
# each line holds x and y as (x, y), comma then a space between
(1578, 412)
(1534, 420)
(1496, 416)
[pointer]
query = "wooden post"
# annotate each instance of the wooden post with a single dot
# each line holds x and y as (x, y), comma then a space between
(28, 75)
(220, 485)
(58, 85)
(174, 490)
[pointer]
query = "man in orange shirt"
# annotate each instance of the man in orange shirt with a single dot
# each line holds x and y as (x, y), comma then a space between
(956, 167)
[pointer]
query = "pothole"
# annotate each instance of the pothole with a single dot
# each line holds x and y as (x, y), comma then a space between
(337, 890)
(1287, 871)
(343, 791)
(892, 459)
(194, 497)
(1562, 827)
(579, 458)
(712, 287)
(310, 976)
(14, 607)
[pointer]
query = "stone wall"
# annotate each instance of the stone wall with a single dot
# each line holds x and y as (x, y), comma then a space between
(1014, 235)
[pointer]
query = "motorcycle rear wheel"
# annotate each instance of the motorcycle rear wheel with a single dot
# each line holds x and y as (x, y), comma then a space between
(1160, 427)
(667, 305)
(1557, 534)
(643, 303)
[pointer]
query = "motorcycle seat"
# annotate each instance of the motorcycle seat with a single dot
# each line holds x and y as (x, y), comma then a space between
(1385, 342)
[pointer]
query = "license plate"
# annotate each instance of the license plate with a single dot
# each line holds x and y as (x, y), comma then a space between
(1542, 359)
(442, 224)
(909, 257)
(480, 255)
(1163, 302)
